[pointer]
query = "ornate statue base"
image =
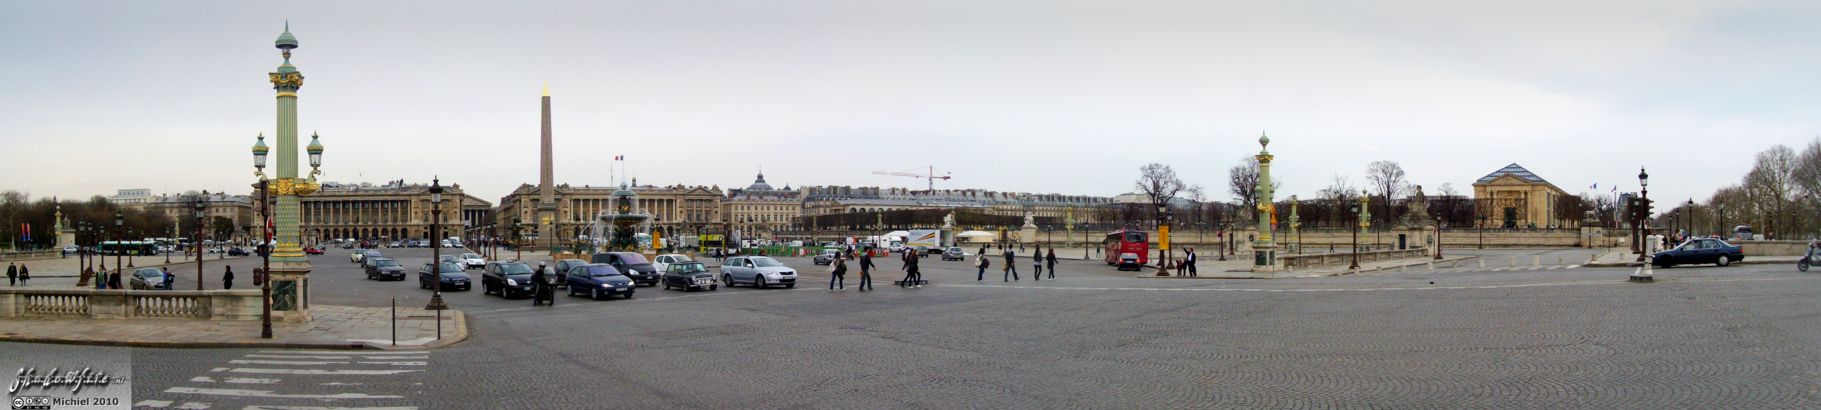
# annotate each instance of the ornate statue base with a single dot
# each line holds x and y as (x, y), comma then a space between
(290, 291)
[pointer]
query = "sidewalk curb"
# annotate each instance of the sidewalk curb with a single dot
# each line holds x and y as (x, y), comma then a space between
(461, 335)
(187, 345)
(1748, 261)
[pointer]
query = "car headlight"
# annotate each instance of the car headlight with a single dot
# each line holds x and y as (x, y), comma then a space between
(510, 282)
(606, 285)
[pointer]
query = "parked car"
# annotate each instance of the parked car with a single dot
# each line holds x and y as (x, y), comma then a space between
(562, 267)
(347, 245)
(384, 269)
(508, 279)
(632, 265)
(1699, 251)
(662, 262)
(451, 259)
(314, 250)
(953, 253)
(237, 251)
(473, 260)
(599, 280)
(450, 274)
(149, 279)
(922, 251)
(1129, 260)
(356, 256)
(688, 276)
(758, 271)
(71, 249)
(827, 256)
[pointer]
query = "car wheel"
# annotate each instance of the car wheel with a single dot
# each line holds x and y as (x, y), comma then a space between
(727, 279)
(711, 288)
(1723, 261)
(629, 295)
(758, 281)
(790, 286)
(667, 285)
(571, 292)
(596, 295)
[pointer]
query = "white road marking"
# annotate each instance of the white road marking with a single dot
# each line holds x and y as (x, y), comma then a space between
(284, 362)
(279, 356)
(342, 384)
(413, 342)
(398, 363)
(194, 406)
(219, 369)
(270, 394)
(322, 372)
(326, 408)
(156, 404)
(1507, 286)
(334, 352)
(202, 379)
(249, 380)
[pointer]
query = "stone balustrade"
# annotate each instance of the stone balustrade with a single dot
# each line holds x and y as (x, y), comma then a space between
(1305, 261)
(125, 304)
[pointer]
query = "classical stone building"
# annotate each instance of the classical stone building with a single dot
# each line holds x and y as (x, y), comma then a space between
(134, 197)
(839, 200)
(393, 211)
(181, 208)
(1513, 197)
(674, 209)
(759, 210)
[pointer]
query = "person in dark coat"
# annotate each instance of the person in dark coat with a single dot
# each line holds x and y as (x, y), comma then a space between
(12, 274)
(1011, 265)
(227, 278)
(1051, 259)
(866, 270)
(113, 279)
(25, 273)
(1191, 261)
(1037, 263)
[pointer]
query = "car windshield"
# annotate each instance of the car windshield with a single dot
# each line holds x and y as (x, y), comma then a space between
(451, 268)
(681, 259)
(448, 258)
(515, 268)
(633, 259)
(830, 251)
(688, 268)
(385, 263)
(602, 270)
(149, 273)
(372, 253)
(470, 256)
(765, 262)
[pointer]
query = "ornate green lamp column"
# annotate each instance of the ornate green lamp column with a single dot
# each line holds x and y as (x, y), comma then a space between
(1296, 225)
(1264, 250)
(290, 269)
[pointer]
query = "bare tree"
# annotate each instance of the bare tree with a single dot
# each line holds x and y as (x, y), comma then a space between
(1339, 195)
(1769, 183)
(1158, 182)
(1387, 178)
(1198, 198)
(1242, 182)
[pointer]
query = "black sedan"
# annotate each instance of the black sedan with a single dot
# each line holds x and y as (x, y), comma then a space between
(451, 275)
(384, 269)
(1699, 251)
(632, 265)
(237, 251)
(599, 280)
(508, 279)
(689, 276)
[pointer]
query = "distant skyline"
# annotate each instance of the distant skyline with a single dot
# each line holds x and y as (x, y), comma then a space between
(1067, 97)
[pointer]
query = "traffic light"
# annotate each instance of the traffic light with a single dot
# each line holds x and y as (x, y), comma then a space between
(1648, 205)
(1634, 209)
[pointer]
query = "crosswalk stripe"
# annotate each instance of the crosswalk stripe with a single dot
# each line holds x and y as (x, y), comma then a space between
(338, 352)
(398, 363)
(271, 394)
(156, 404)
(322, 372)
(276, 356)
(284, 362)
(326, 408)
(193, 406)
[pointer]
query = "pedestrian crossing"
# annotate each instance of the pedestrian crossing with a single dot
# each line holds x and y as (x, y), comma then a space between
(300, 380)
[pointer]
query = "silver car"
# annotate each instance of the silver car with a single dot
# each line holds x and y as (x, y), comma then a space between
(758, 271)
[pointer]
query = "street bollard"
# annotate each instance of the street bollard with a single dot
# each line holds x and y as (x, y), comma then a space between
(1482, 263)
(1536, 260)
(1512, 261)
(394, 322)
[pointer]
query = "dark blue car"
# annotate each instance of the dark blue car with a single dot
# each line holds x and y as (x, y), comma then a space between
(1699, 251)
(598, 280)
(452, 276)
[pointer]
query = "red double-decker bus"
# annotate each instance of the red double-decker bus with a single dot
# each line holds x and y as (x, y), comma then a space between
(1127, 248)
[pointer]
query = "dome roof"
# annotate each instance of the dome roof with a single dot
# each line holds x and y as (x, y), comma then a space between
(759, 185)
(286, 40)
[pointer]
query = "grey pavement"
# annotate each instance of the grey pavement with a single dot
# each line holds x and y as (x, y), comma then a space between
(1523, 335)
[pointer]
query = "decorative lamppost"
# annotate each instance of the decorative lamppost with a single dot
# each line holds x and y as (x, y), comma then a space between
(265, 234)
(1163, 240)
(1691, 217)
(1355, 209)
(518, 246)
(1482, 231)
(119, 232)
(202, 206)
(1264, 250)
(1365, 213)
(1643, 217)
(290, 268)
(436, 253)
(124, 249)
(1438, 238)
(1296, 225)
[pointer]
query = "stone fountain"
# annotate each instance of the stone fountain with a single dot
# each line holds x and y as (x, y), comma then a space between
(625, 218)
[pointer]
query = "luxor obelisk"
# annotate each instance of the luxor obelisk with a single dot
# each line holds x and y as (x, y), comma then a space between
(546, 188)
(290, 274)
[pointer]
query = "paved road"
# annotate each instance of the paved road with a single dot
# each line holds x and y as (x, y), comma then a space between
(1554, 336)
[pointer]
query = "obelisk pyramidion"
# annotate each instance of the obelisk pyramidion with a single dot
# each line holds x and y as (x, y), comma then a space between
(546, 185)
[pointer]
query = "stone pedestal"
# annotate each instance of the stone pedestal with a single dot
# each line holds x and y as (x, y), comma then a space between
(1028, 234)
(1591, 236)
(290, 291)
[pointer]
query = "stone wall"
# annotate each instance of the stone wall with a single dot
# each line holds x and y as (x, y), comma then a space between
(1773, 248)
(124, 304)
(1294, 262)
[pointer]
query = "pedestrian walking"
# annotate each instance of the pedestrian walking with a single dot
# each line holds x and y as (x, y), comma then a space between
(170, 281)
(538, 283)
(25, 274)
(1011, 265)
(980, 261)
(1037, 263)
(227, 278)
(12, 274)
(113, 279)
(866, 270)
(916, 270)
(1051, 259)
(837, 273)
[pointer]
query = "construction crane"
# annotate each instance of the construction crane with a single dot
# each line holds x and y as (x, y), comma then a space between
(929, 175)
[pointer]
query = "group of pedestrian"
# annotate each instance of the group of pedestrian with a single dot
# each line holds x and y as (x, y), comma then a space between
(837, 270)
(1186, 265)
(16, 275)
(913, 277)
(1040, 261)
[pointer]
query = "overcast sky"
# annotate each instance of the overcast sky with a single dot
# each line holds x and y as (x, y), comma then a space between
(1033, 96)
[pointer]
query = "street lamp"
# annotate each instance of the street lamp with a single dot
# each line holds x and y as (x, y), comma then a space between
(1644, 193)
(119, 232)
(1438, 237)
(1691, 216)
(1163, 240)
(202, 206)
(436, 253)
(1482, 231)
(265, 253)
(1354, 209)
